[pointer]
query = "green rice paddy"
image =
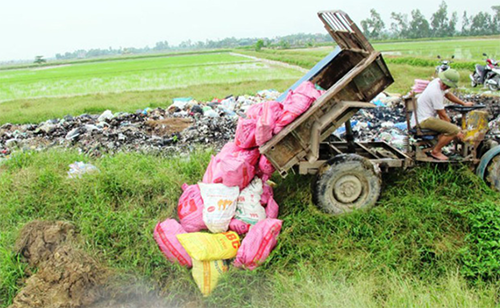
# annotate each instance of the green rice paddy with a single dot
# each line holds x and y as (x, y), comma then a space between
(135, 75)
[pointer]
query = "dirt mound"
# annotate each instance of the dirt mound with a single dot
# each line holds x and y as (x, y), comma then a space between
(168, 126)
(39, 239)
(66, 276)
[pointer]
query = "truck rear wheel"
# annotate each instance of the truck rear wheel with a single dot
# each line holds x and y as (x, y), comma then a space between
(348, 182)
(492, 176)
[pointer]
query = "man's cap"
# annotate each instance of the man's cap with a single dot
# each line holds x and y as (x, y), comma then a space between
(449, 77)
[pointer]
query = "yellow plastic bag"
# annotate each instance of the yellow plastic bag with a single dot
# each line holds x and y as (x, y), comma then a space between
(206, 274)
(210, 247)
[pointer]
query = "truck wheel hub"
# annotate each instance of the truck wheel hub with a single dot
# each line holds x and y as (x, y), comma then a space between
(348, 189)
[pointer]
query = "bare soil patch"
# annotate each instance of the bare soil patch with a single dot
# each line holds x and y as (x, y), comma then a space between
(168, 126)
(63, 276)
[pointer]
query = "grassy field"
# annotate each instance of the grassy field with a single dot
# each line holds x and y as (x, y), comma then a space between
(132, 75)
(431, 241)
(34, 95)
(463, 49)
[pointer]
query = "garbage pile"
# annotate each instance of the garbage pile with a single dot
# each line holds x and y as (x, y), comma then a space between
(182, 124)
(387, 122)
(234, 200)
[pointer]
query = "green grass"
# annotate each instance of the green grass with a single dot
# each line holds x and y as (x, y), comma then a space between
(41, 109)
(410, 250)
(138, 74)
(463, 49)
(153, 81)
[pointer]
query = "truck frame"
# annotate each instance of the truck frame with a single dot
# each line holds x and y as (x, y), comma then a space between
(348, 172)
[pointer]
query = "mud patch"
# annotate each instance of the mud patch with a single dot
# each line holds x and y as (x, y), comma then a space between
(66, 276)
(168, 126)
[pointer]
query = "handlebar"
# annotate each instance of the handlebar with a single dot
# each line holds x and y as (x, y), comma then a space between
(461, 108)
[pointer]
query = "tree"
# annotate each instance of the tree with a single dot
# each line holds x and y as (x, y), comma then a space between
(496, 19)
(419, 26)
(39, 60)
(373, 26)
(441, 24)
(465, 24)
(481, 24)
(284, 44)
(259, 45)
(439, 20)
(400, 25)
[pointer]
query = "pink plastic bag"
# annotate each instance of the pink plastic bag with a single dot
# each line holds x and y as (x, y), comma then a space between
(255, 111)
(236, 172)
(265, 125)
(307, 88)
(232, 150)
(213, 174)
(245, 133)
(296, 103)
(265, 167)
(190, 209)
(267, 194)
(258, 243)
(420, 85)
(272, 208)
(165, 235)
(230, 171)
(239, 226)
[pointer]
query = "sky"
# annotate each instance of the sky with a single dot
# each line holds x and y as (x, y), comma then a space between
(32, 27)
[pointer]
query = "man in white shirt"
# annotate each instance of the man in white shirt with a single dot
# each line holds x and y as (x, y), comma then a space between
(431, 114)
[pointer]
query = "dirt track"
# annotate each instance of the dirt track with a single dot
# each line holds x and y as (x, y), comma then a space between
(271, 62)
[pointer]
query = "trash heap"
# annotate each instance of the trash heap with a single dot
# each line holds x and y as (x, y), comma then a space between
(173, 129)
(234, 201)
(187, 122)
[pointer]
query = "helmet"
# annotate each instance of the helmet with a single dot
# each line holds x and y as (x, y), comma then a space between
(449, 77)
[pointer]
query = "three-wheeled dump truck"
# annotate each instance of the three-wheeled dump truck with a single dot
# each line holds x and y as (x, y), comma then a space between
(349, 172)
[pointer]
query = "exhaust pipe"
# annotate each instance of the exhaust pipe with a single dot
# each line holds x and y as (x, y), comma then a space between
(491, 81)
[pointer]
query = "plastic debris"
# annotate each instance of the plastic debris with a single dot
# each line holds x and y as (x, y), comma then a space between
(77, 169)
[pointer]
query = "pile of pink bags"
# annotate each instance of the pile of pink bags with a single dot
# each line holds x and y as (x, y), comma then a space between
(419, 85)
(234, 194)
(267, 119)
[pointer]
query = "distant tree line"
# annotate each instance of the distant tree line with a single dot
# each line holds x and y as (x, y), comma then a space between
(283, 42)
(441, 24)
(402, 26)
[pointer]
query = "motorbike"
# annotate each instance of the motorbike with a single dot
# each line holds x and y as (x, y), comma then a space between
(444, 64)
(488, 75)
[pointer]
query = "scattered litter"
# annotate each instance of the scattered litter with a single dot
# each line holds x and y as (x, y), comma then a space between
(77, 169)
(106, 115)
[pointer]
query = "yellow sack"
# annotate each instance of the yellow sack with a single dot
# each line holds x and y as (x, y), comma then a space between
(209, 247)
(206, 274)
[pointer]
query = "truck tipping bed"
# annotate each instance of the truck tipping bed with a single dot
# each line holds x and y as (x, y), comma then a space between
(352, 75)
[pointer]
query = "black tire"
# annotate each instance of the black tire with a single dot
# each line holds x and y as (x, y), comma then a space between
(473, 80)
(492, 176)
(348, 182)
(494, 87)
